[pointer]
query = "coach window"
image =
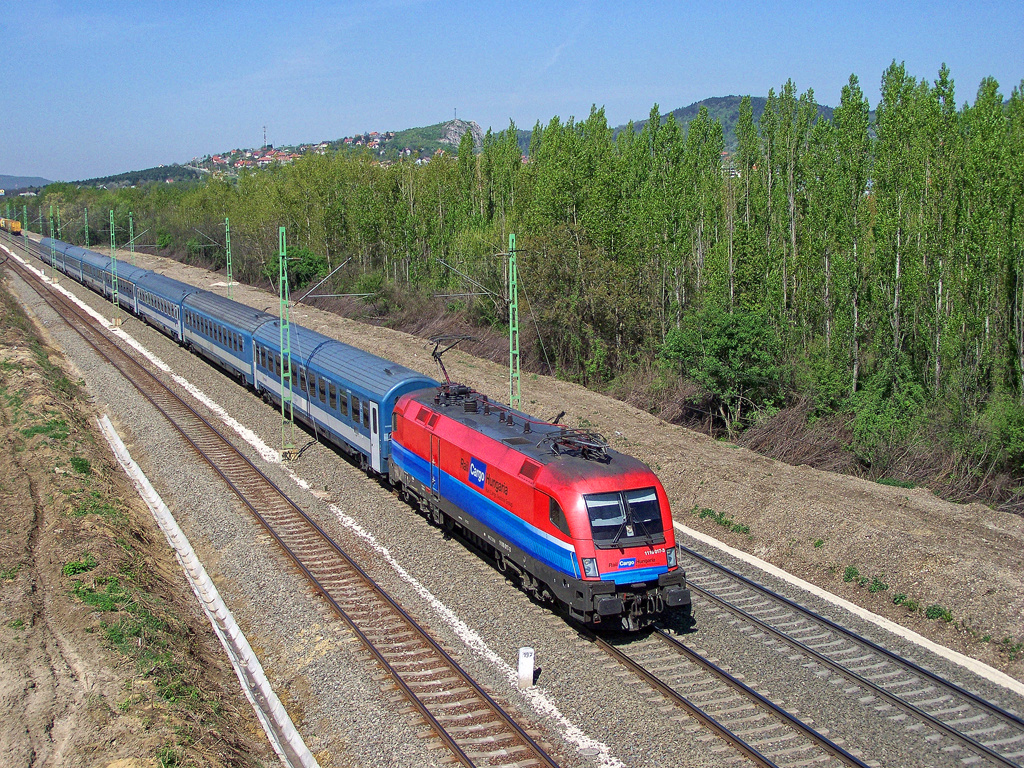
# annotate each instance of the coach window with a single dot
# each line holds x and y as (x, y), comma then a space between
(366, 414)
(334, 397)
(375, 422)
(302, 380)
(344, 404)
(323, 390)
(355, 409)
(277, 365)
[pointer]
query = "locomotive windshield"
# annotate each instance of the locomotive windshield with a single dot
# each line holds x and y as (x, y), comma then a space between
(625, 518)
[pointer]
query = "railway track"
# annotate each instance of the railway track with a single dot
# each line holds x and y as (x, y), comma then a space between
(965, 727)
(759, 730)
(469, 722)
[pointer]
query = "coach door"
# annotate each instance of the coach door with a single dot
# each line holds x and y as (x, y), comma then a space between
(435, 465)
(375, 440)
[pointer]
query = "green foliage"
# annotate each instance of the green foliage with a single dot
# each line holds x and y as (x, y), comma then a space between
(872, 266)
(10, 572)
(1003, 422)
(75, 567)
(887, 410)
(851, 573)
(55, 429)
(938, 612)
(819, 543)
(81, 465)
(93, 504)
(722, 519)
(895, 483)
(304, 268)
(877, 585)
(733, 355)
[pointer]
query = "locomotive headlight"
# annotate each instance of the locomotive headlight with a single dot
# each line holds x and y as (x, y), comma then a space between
(590, 567)
(671, 556)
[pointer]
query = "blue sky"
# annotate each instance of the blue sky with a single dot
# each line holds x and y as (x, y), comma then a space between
(99, 87)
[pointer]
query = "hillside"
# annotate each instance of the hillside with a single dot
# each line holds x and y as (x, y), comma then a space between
(725, 109)
(11, 183)
(167, 174)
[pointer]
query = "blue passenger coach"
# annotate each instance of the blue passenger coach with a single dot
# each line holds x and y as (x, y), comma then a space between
(221, 330)
(338, 390)
(160, 300)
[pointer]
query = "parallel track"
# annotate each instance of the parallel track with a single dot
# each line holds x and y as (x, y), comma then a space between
(464, 717)
(967, 728)
(758, 729)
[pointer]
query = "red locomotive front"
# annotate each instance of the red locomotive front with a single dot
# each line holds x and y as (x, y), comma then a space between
(574, 520)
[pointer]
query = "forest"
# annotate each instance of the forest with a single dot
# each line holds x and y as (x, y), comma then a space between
(845, 289)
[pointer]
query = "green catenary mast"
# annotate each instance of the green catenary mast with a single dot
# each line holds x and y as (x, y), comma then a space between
(514, 386)
(53, 254)
(287, 416)
(227, 249)
(114, 298)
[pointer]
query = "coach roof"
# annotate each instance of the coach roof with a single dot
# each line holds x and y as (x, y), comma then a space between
(361, 369)
(230, 311)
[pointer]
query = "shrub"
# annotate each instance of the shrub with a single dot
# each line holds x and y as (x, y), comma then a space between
(732, 355)
(938, 612)
(850, 573)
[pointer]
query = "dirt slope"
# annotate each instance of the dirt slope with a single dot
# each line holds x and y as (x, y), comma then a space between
(105, 658)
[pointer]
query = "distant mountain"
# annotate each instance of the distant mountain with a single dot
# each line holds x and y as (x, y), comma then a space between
(725, 109)
(9, 183)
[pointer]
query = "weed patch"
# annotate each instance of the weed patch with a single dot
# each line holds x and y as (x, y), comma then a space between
(81, 465)
(56, 429)
(94, 505)
(938, 612)
(75, 567)
(895, 483)
(7, 574)
(722, 519)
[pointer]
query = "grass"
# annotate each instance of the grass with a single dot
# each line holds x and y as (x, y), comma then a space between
(722, 519)
(7, 574)
(75, 567)
(93, 504)
(16, 624)
(895, 483)
(56, 429)
(875, 584)
(81, 465)
(819, 543)
(140, 634)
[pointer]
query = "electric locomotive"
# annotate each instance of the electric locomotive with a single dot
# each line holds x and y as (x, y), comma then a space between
(574, 520)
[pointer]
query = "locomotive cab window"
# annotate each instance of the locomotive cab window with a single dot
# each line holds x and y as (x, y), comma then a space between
(625, 518)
